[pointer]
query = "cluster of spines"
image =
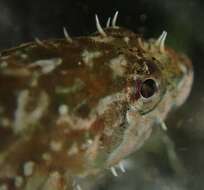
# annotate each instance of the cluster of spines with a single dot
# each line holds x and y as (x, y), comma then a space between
(160, 42)
(113, 23)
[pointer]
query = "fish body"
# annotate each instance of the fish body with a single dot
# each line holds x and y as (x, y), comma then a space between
(70, 108)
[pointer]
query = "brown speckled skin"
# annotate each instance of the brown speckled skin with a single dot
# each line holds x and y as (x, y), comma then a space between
(97, 99)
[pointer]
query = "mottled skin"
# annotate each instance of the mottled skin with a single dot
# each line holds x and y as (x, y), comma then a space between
(72, 109)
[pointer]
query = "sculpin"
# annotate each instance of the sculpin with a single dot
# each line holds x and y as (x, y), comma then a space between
(73, 107)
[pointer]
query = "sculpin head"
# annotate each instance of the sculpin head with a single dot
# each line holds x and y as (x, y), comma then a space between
(157, 80)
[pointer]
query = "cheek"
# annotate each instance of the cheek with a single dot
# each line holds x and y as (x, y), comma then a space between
(138, 130)
(184, 89)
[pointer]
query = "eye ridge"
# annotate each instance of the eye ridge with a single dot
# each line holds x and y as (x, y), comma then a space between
(148, 88)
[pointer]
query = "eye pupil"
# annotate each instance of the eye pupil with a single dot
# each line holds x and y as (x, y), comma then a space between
(148, 88)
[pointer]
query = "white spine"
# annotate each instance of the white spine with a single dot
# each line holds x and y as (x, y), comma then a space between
(78, 187)
(161, 41)
(115, 19)
(39, 42)
(162, 124)
(66, 35)
(122, 168)
(108, 22)
(99, 28)
(113, 170)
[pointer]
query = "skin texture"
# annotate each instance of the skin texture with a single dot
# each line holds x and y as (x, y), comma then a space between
(69, 109)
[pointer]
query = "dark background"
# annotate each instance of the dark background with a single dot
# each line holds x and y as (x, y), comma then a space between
(169, 161)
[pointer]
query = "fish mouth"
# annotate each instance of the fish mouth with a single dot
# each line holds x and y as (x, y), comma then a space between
(138, 130)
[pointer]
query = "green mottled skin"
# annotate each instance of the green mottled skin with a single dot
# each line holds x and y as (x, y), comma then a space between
(101, 108)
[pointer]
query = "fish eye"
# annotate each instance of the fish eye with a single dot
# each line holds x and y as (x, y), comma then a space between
(148, 88)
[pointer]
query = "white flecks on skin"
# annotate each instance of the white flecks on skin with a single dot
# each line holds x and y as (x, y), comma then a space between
(56, 146)
(88, 144)
(21, 54)
(90, 141)
(3, 64)
(113, 170)
(106, 101)
(118, 65)
(108, 22)
(42, 105)
(99, 28)
(73, 122)
(24, 56)
(161, 41)
(73, 150)
(89, 56)
(20, 113)
(22, 117)
(66, 35)
(63, 110)
(28, 168)
(3, 187)
(93, 147)
(47, 65)
(126, 39)
(46, 157)
(115, 19)
(18, 181)
(77, 86)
